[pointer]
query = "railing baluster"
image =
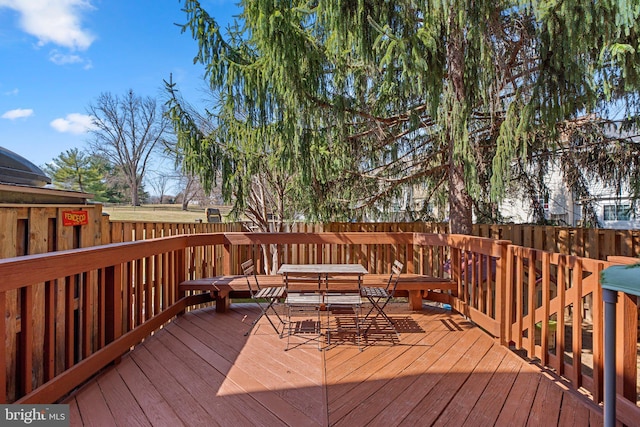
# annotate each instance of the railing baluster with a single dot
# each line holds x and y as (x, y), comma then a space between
(577, 325)
(139, 292)
(531, 299)
(69, 327)
(519, 300)
(546, 293)
(156, 283)
(49, 330)
(25, 383)
(561, 287)
(100, 328)
(87, 314)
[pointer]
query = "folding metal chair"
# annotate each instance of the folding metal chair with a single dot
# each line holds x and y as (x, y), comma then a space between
(379, 298)
(341, 302)
(302, 300)
(265, 297)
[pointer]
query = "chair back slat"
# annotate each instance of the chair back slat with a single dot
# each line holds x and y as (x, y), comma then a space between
(248, 269)
(392, 284)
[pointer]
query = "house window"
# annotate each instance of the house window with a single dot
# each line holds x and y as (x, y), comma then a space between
(543, 201)
(617, 212)
(559, 219)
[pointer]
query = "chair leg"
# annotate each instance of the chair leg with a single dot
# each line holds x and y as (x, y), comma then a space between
(357, 322)
(356, 310)
(264, 312)
(319, 329)
(273, 309)
(375, 305)
(328, 327)
(291, 329)
(289, 324)
(256, 320)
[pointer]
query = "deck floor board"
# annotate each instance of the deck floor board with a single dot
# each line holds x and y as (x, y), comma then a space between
(470, 392)
(448, 384)
(157, 409)
(202, 370)
(487, 406)
(178, 394)
(517, 406)
(123, 406)
(546, 405)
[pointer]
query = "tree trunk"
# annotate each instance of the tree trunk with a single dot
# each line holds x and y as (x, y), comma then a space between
(134, 195)
(460, 205)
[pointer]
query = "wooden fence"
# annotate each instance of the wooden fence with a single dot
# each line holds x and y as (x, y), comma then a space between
(34, 229)
(584, 242)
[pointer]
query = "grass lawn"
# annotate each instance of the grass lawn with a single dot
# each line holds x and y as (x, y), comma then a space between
(157, 213)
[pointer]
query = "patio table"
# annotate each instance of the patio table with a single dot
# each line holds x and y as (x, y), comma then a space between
(347, 294)
(322, 271)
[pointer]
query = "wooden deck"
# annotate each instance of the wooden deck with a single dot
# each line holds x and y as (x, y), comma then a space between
(202, 370)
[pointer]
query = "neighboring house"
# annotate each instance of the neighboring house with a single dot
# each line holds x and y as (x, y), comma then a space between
(562, 208)
(613, 208)
(614, 211)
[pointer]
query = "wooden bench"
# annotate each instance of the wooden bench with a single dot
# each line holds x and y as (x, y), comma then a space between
(416, 286)
(223, 288)
(220, 288)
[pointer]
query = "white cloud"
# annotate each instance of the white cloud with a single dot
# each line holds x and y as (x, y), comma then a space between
(12, 92)
(53, 21)
(18, 113)
(74, 123)
(61, 59)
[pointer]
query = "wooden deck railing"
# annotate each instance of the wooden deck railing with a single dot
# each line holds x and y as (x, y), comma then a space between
(71, 313)
(556, 311)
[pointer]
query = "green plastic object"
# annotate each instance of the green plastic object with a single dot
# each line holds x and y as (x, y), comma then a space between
(622, 278)
(553, 325)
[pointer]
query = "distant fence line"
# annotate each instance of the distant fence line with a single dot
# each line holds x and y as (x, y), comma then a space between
(585, 242)
(26, 230)
(36, 229)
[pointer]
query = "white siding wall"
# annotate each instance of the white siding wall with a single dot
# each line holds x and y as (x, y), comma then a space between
(562, 207)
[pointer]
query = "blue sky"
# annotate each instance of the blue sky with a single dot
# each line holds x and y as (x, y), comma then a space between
(58, 56)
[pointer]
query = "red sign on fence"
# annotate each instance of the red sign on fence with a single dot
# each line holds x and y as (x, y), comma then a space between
(75, 217)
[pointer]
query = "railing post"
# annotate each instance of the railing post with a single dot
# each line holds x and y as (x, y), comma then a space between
(410, 258)
(501, 286)
(226, 262)
(456, 273)
(597, 315)
(627, 319)
(613, 280)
